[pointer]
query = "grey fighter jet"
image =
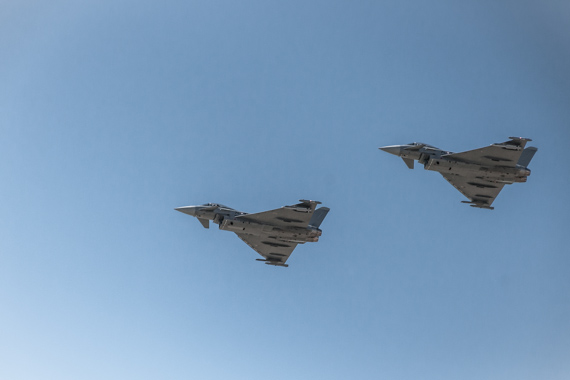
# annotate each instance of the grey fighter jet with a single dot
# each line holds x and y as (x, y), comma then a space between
(479, 174)
(273, 234)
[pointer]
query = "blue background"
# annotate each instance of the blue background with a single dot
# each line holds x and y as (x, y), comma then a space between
(113, 113)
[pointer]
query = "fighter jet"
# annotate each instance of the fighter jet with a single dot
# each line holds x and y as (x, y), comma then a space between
(479, 174)
(273, 234)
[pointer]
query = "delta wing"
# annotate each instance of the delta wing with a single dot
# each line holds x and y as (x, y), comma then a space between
(500, 154)
(480, 192)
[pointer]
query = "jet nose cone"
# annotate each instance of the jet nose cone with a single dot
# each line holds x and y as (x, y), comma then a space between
(190, 210)
(392, 149)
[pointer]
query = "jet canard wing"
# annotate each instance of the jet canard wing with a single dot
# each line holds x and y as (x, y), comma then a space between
(298, 215)
(480, 192)
(275, 252)
(500, 154)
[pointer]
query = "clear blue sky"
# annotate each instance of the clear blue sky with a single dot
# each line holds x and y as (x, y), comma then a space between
(113, 113)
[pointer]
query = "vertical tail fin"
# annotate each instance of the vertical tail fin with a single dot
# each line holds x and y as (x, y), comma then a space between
(526, 156)
(318, 216)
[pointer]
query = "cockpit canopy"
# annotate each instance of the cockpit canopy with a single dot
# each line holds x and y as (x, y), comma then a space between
(423, 145)
(217, 205)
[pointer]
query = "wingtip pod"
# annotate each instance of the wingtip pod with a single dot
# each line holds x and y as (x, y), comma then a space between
(277, 264)
(310, 203)
(514, 142)
(520, 138)
(274, 263)
(483, 207)
(478, 205)
(306, 205)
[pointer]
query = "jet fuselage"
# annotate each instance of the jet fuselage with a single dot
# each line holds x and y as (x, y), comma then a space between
(225, 217)
(434, 159)
(292, 234)
(492, 173)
